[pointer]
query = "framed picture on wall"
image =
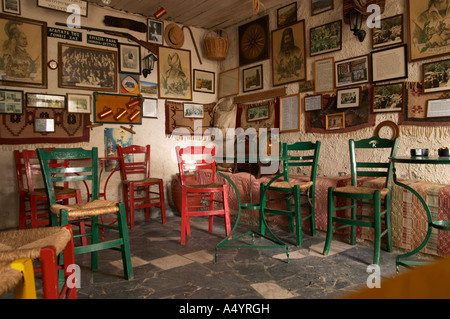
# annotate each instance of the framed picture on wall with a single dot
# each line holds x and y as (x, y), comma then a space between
(101, 75)
(11, 6)
(78, 103)
(229, 83)
(326, 38)
(287, 15)
(436, 76)
(290, 115)
(194, 111)
(390, 33)
(174, 73)
(389, 64)
(349, 97)
(52, 101)
(204, 81)
(257, 113)
(30, 67)
(130, 58)
(288, 54)
(313, 102)
(252, 78)
(155, 31)
(352, 71)
(388, 98)
(438, 108)
(11, 102)
(319, 6)
(61, 5)
(335, 121)
(44, 125)
(150, 108)
(254, 41)
(324, 75)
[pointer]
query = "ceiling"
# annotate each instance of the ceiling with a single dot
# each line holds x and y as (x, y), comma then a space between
(207, 14)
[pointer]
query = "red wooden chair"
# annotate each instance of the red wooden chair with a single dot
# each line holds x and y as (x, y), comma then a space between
(190, 159)
(29, 173)
(136, 180)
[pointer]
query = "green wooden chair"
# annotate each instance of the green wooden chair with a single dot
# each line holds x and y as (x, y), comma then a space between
(374, 164)
(84, 168)
(299, 154)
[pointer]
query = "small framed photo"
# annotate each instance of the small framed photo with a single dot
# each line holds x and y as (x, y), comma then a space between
(44, 125)
(390, 33)
(352, 71)
(150, 108)
(335, 121)
(388, 98)
(290, 115)
(204, 81)
(130, 58)
(11, 6)
(78, 103)
(252, 78)
(348, 97)
(326, 38)
(313, 102)
(438, 108)
(11, 102)
(287, 15)
(155, 31)
(229, 83)
(258, 113)
(193, 110)
(436, 76)
(46, 100)
(319, 6)
(389, 64)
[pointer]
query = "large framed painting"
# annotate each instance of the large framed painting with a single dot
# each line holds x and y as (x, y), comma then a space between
(74, 72)
(326, 38)
(288, 54)
(23, 52)
(174, 73)
(428, 35)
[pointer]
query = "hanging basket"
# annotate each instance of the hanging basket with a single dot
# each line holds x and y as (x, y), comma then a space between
(216, 44)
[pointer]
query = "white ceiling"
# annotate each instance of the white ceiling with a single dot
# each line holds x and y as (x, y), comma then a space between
(207, 14)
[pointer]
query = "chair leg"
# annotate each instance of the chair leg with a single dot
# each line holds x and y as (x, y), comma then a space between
(147, 209)
(184, 209)
(377, 227)
(329, 237)
(312, 216)
(131, 215)
(49, 272)
(94, 240)
(226, 209)
(69, 259)
(354, 211)
(22, 213)
(262, 201)
(298, 217)
(33, 212)
(388, 224)
(125, 247)
(211, 207)
(162, 202)
(290, 218)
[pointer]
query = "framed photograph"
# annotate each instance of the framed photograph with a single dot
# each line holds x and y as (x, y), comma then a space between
(290, 114)
(289, 54)
(150, 108)
(324, 75)
(44, 125)
(436, 76)
(194, 111)
(101, 75)
(438, 108)
(427, 36)
(319, 6)
(11, 6)
(155, 31)
(78, 103)
(389, 64)
(11, 102)
(129, 58)
(390, 33)
(46, 100)
(287, 15)
(348, 97)
(258, 113)
(388, 98)
(326, 38)
(148, 88)
(174, 73)
(229, 83)
(61, 5)
(352, 71)
(254, 41)
(204, 81)
(29, 68)
(252, 78)
(335, 121)
(313, 102)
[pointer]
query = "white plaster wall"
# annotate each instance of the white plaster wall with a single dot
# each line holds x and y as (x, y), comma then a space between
(334, 152)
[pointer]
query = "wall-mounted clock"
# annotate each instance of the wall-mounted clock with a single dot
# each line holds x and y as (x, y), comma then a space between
(52, 64)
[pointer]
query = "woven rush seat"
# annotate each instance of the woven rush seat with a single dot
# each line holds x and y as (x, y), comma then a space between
(96, 208)
(284, 184)
(361, 190)
(9, 277)
(15, 244)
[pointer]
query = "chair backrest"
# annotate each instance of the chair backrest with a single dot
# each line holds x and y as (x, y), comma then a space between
(375, 160)
(301, 154)
(82, 167)
(192, 158)
(139, 166)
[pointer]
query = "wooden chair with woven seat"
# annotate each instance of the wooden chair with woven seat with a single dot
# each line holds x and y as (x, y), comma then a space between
(44, 244)
(191, 159)
(83, 166)
(299, 154)
(368, 158)
(136, 180)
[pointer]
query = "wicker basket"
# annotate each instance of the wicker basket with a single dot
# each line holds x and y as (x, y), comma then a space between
(216, 44)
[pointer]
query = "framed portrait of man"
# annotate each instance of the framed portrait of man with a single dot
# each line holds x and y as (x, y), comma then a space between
(428, 25)
(288, 54)
(23, 52)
